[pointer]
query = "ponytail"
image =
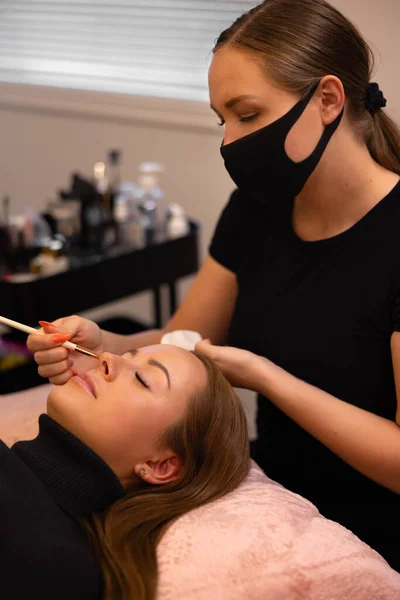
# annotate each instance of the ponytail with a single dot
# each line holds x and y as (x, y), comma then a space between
(384, 141)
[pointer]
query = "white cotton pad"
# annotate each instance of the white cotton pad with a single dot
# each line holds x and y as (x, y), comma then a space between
(183, 338)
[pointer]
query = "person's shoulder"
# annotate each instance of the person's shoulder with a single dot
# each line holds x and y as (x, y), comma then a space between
(392, 214)
(390, 236)
(235, 215)
(236, 205)
(235, 231)
(393, 200)
(7, 458)
(3, 449)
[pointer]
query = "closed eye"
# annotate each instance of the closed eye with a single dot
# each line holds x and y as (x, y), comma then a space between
(144, 384)
(248, 118)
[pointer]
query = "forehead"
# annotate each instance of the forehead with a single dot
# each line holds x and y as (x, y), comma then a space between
(167, 351)
(235, 69)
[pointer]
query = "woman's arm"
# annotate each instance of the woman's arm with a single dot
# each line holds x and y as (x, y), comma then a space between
(207, 308)
(395, 346)
(369, 443)
(119, 344)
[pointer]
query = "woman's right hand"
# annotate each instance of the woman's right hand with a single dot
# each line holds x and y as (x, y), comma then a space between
(55, 362)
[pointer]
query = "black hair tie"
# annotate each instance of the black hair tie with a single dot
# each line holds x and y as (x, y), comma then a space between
(374, 99)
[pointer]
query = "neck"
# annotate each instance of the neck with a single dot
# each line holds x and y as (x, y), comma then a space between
(346, 185)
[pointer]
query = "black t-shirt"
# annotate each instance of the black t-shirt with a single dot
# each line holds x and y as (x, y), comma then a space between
(325, 311)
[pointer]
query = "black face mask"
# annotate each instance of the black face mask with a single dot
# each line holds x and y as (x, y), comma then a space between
(259, 165)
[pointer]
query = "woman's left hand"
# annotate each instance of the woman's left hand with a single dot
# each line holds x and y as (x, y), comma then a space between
(242, 368)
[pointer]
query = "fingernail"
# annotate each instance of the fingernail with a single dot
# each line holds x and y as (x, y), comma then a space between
(74, 373)
(46, 324)
(61, 337)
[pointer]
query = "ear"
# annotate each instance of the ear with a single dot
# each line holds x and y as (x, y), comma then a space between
(333, 98)
(160, 472)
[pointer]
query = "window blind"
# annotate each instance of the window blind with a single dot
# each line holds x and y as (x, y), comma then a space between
(144, 47)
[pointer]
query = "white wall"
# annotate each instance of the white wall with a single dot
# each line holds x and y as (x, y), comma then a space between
(38, 149)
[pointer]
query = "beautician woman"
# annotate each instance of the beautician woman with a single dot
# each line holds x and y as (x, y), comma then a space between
(303, 277)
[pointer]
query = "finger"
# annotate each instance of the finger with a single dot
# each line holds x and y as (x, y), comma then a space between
(64, 325)
(54, 355)
(58, 326)
(61, 379)
(57, 323)
(205, 347)
(55, 370)
(70, 325)
(48, 327)
(45, 341)
(204, 343)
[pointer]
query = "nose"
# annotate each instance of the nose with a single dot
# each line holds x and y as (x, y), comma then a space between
(110, 365)
(228, 139)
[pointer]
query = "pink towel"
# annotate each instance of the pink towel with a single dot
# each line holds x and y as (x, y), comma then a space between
(263, 542)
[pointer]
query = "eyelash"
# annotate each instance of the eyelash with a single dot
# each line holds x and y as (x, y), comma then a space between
(138, 377)
(221, 123)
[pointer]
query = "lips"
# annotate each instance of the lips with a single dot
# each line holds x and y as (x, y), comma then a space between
(86, 382)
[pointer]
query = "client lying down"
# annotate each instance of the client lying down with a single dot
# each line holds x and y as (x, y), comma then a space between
(133, 444)
(122, 453)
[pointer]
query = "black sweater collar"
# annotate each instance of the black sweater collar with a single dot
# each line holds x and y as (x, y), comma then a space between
(77, 478)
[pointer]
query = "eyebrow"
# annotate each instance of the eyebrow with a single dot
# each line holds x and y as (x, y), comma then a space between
(155, 363)
(231, 103)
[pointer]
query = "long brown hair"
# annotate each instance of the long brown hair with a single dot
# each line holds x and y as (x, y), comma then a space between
(212, 441)
(298, 43)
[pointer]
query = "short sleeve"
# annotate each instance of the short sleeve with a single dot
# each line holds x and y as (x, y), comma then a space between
(229, 241)
(396, 299)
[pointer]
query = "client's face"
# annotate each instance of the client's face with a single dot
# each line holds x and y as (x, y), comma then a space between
(120, 408)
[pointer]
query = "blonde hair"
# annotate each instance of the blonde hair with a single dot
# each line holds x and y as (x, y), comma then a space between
(212, 441)
(299, 42)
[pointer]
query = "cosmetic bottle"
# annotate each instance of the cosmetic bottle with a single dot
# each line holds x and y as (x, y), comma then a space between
(101, 182)
(125, 220)
(113, 174)
(177, 224)
(149, 199)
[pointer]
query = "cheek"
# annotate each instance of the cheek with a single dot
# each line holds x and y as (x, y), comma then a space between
(304, 135)
(235, 130)
(126, 432)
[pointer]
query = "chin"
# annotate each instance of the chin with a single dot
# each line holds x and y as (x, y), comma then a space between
(68, 407)
(54, 404)
(61, 404)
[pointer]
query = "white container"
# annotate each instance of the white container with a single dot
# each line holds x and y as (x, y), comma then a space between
(183, 338)
(177, 224)
(149, 194)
